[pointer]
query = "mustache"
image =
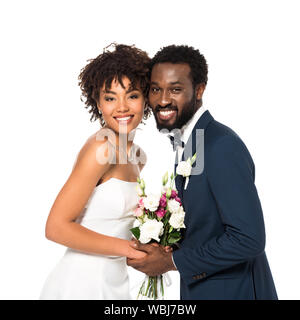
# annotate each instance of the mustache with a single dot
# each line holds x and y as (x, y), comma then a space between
(168, 107)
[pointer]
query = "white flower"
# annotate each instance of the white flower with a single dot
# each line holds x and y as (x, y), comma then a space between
(136, 223)
(168, 193)
(139, 190)
(164, 189)
(184, 168)
(151, 229)
(151, 202)
(177, 219)
(173, 206)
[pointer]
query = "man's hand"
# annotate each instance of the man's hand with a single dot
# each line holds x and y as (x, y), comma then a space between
(155, 244)
(157, 261)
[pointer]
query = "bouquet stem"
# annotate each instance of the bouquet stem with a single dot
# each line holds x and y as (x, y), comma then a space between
(154, 289)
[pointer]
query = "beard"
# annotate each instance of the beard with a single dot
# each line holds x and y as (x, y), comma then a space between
(188, 110)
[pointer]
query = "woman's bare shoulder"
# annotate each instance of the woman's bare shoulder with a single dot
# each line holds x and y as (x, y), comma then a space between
(95, 151)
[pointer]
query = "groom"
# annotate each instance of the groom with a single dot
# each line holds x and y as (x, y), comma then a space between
(222, 253)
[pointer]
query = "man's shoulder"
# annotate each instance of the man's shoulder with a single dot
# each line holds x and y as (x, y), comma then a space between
(220, 138)
(217, 131)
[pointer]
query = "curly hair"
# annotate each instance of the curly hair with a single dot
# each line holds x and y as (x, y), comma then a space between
(184, 54)
(124, 60)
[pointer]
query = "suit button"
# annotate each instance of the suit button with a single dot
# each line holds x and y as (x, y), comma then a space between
(200, 276)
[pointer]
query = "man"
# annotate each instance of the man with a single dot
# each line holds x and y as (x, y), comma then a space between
(222, 253)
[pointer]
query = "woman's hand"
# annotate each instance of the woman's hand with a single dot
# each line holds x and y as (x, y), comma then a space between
(136, 254)
(166, 248)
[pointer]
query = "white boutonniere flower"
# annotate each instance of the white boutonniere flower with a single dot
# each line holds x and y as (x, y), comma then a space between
(184, 169)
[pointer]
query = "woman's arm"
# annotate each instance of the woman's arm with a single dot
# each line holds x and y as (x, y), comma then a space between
(69, 203)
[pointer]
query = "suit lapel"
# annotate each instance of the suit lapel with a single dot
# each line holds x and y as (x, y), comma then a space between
(191, 145)
(178, 179)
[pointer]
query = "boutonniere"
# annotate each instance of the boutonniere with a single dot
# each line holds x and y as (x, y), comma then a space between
(184, 169)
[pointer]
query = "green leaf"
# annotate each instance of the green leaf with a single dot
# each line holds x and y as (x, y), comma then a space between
(175, 234)
(172, 240)
(142, 184)
(193, 158)
(171, 229)
(136, 232)
(168, 193)
(165, 178)
(174, 237)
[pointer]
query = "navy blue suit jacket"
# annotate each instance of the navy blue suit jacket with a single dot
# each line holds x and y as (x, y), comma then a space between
(222, 252)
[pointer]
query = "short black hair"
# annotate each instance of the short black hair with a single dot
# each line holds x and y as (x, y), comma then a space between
(115, 62)
(184, 54)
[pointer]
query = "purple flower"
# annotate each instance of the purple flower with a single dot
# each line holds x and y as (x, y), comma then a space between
(163, 201)
(178, 199)
(174, 194)
(160, 212)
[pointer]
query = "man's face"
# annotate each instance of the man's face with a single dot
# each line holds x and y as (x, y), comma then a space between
(172, 96)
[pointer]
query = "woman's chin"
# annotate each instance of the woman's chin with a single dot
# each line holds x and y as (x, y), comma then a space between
(121, 128)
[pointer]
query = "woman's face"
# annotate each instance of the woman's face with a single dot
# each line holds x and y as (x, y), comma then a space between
(122, 108)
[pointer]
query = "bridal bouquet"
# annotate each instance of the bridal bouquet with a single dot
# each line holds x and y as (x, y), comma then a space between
(159, 218)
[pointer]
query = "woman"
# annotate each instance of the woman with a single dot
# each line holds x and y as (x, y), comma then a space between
(92, 214)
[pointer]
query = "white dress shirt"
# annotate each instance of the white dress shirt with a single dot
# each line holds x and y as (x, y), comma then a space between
(186, 131)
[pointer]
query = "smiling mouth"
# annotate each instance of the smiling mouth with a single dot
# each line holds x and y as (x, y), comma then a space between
(166, 115)
(124, 120)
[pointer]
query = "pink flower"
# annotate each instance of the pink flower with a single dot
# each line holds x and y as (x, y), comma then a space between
(163, 201)
(174, 194)
(178, 199)
(138, 212)
(141, 203)
(160, 212)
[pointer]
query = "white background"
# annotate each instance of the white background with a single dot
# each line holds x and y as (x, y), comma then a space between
(252, 48)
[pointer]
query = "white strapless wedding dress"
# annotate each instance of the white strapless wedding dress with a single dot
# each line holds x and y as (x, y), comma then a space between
(81, 275)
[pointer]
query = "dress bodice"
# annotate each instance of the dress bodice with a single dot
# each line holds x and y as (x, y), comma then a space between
(109, 209)
(80, 275)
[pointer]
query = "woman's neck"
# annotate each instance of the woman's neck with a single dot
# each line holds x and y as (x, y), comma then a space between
(122, 142)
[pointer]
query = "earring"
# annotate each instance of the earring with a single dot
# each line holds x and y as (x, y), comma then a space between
(102, 122)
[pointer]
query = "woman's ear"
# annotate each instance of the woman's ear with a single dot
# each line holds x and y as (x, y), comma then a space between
(99, 107)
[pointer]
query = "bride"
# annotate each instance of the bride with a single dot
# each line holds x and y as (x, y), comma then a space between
(92, 213)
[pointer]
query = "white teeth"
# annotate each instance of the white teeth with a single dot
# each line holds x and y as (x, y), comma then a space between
(166, 113)
(123, 119)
